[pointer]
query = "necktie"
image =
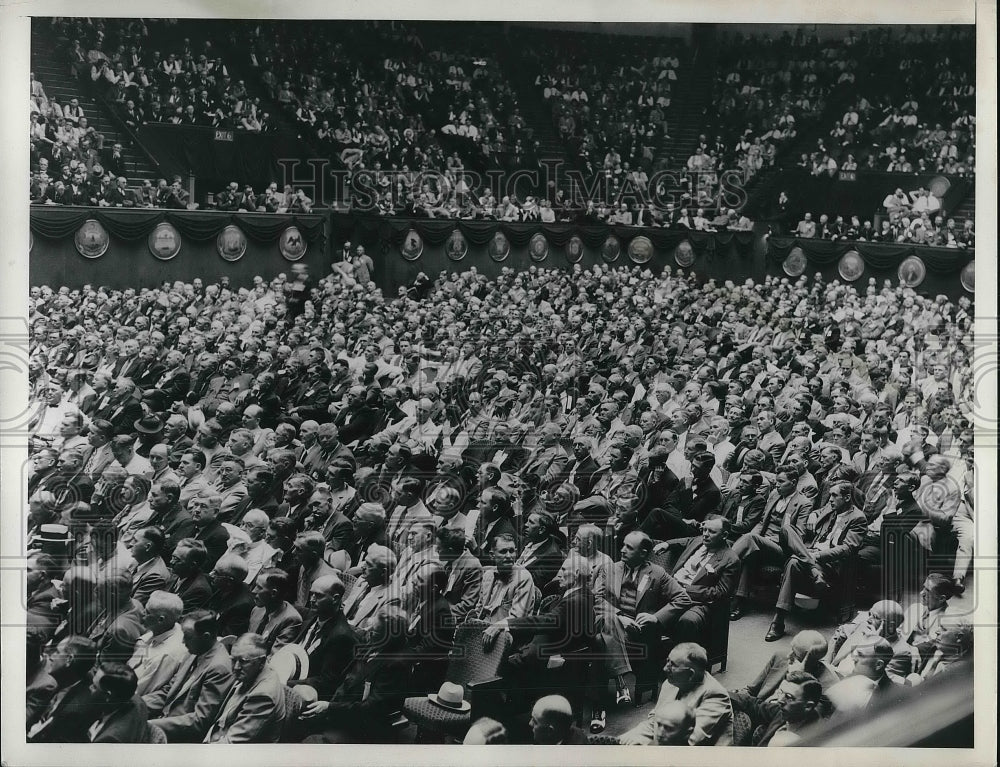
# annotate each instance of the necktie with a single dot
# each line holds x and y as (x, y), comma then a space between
(177, 689)
(353, 610)
(312, 637)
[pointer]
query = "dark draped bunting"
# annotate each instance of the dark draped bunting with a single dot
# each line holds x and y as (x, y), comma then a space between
(877, 256)
(57, 222)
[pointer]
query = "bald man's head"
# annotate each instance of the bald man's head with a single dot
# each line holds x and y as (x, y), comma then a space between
(551, 720)
(673, 722)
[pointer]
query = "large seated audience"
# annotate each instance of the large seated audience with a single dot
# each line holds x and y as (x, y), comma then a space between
(291, 511)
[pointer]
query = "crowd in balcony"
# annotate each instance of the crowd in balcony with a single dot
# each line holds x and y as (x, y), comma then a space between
(609, 105)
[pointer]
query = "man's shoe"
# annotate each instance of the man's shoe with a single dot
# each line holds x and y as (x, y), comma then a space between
(623, 697)
(960, 585)
(736, 613)
(775, 632)
(598, 722)
(819, 581)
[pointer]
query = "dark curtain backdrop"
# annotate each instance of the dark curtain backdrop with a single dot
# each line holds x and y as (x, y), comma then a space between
(717, 255)
(128, 261)
(720, 256)
(882, 260)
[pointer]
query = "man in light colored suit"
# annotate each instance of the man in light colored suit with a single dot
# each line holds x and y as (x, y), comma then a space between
(187, 705)
(832, 535)
(273, 618)
(688, 680)
(161, 649)
(707, 570)
(547, 460)
(230, 485)
(254, 709)
(508, 590)
(763, 543)
(193, 482)
(371, 591)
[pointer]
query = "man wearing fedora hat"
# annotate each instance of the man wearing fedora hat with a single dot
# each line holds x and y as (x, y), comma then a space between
(150, 431)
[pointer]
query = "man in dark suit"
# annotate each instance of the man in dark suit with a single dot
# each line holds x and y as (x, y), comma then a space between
(124, 409)
(465, 572)
(692, 507)
(798, 703)
(432, 628)
(254, 709)
(259, 482)
(328, 448)
(127, 361)
(706, 569)
(120, 713)
(495, 519)
(817, 554)
(204, 510)
(543, 552)
(547, 461)
(173, 384)
(661, 484)
(188, 704)
(743, 507)
(231, 599)
(273, 618)
(357, 420)
(119, 624)
(69, 483)
(69, 713)
(150, 369)
(188, 567)
(298, 488)
(327, 637)
(169, 516)
(151, 572)
(565, 622)
(373, 689)
(581, 470)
